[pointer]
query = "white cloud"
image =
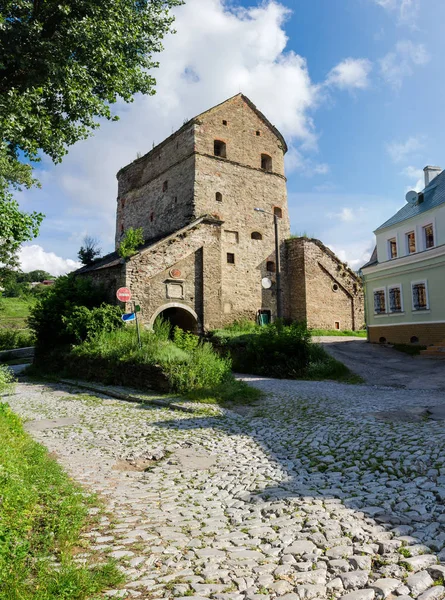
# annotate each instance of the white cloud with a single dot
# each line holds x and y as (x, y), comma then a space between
(34, 257)
(400, 63)
(407, 11)
(418, 175)
(400, 151)
(224, 51)
(350, 74)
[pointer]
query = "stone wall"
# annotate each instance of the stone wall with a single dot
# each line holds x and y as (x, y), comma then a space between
(322, 287)
(427, 333)
(110, 278)
(143, 200)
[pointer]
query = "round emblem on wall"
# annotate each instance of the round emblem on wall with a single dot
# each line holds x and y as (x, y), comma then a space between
(175, 273)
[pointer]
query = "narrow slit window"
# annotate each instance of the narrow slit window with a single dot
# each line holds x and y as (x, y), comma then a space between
(219, 148)
(270, 266)
(256, 235)
(392, 248)
(218, 197)
(165, 186)
(266, 162)
(230, 258)
(278, 212)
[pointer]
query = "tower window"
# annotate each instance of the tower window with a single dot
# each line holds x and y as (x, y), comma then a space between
(258, 133)
(230, 258)
(270, 266)
(224, 122)
(278, 212)
(256, 235)
(218, 197)
(219, 148)
(151, 217)
(122, 228)
(266, 162)
(165, 186)
(123, 202)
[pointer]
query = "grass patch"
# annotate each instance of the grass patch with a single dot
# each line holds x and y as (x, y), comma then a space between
(14, 312)
(411, 349)
(42, 514)
(338, 332)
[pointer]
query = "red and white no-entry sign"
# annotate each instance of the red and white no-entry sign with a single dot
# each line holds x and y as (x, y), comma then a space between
(123, 294)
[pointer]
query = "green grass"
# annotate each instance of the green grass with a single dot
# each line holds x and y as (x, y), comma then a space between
(42, 514)
(411, 349)
(338, 332)
(14, 312)
(16, 338)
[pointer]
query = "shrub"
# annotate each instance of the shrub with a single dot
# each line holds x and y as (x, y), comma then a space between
(85, 323)
(276, 350)
(7, 380)
(47, 315)
(15, 338)
(133, 238)
(185, 340)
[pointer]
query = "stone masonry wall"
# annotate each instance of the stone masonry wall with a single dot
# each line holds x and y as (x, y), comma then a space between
(152, 284)
(294, 282)
(110, 278)
(427, 333)
(243, 185)
(143, 200)
(334, 295)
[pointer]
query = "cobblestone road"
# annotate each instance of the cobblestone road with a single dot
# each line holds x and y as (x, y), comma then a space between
(319, 491)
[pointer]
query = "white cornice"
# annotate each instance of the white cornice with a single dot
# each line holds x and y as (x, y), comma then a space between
(406, 261)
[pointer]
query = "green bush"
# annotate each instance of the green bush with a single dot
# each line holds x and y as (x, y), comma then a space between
(276, 350)
(185, 340)
(85, 323)
(15, 338)
(133, 239)
(47, 316)
(7, 380)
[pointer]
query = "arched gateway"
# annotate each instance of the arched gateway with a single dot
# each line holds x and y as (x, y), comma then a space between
(179, 315)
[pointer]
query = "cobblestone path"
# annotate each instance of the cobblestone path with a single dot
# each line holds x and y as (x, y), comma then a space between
(320, 491)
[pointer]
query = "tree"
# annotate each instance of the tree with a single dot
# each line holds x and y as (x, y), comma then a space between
(63, 63)
(89, 251)
(133, 239)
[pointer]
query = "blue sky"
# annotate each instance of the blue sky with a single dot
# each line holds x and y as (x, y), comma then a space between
(354, 85)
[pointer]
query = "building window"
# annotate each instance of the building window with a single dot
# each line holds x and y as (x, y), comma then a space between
(337, 325)
(379, 302)
(428, 236)
(395, 299)
(123, 203)
(219, 148)
(278, 212)
(122, 229)
(270, 266)
(392, 248)
(411, 242)
(230, 258)
(256, 235)
(218, 197)
(335, 287)
(151, 217)
(224, 122)
(165, 186)
(266, 162)
(420, 295)
(258, 133)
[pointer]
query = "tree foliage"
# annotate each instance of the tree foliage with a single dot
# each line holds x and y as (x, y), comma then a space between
(89, 251)
(63, 63)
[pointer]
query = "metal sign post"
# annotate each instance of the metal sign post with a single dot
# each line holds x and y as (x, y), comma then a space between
(136, 309)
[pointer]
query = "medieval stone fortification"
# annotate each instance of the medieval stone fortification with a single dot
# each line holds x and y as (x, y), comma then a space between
(206, 249)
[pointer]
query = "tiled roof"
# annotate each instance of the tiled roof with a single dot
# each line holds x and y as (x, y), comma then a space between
(433, 195)
(373, 259)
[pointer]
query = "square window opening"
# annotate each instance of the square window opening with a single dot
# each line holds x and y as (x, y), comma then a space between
(230, 258)
(219, 149)
(266, 162)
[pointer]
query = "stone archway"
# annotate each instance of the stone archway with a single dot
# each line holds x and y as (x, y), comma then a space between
(179, 315)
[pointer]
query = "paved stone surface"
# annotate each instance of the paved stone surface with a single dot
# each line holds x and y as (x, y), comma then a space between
(304, 496)
(382, 365)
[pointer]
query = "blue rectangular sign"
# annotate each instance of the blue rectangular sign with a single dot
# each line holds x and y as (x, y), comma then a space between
(128, 317)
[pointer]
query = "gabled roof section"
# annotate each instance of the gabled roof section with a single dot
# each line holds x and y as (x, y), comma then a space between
(373, 259)
(259, 114)
(433, 196)
(198, 117)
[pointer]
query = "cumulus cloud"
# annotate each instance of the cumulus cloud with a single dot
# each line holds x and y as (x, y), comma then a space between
(407, 11)
(414, 174)
(350, 74)
(34, 257)
(400, 151)
(400, 63)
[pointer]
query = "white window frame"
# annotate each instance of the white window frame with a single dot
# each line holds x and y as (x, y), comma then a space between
(416, 242)
(380, 289)
(388, 246)
(420, 310)
(400, 288)
(423, 226)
